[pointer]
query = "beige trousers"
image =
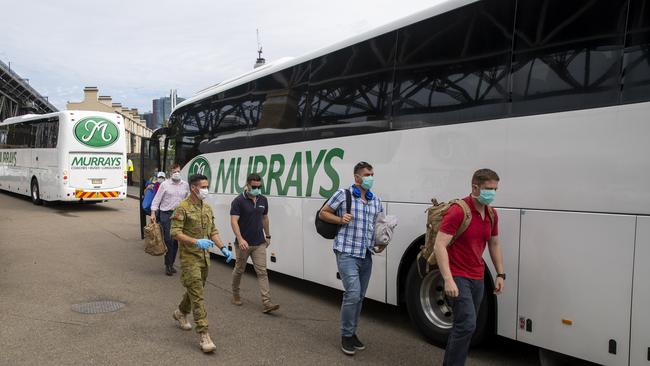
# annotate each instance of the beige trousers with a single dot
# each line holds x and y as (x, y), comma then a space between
(258, 255)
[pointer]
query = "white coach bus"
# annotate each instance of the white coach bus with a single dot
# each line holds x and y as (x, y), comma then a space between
(64, 156)
(553, 95)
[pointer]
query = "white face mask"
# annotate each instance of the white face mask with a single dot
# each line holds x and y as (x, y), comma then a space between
(160, 180)
(176, 176)
(203, 193)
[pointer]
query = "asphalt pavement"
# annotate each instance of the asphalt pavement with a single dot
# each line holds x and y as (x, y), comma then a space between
(57, 256)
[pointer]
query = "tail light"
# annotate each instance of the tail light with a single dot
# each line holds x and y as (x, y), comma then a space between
(65, 176)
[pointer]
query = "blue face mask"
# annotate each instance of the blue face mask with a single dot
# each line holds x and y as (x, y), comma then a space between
(367, 182)
(255, 192)
(487, 196)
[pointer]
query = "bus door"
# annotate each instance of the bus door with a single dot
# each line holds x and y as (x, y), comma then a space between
(151, 162)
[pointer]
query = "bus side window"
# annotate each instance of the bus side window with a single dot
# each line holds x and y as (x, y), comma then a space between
(349, 89)
(636, 74)
(454, 67)
(3, 137)
(568, 59)
(20, 136)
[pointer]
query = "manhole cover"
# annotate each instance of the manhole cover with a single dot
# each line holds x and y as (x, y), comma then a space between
(97, 307)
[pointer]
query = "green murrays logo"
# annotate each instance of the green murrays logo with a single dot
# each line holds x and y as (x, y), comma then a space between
(96, 132)
(200, 166)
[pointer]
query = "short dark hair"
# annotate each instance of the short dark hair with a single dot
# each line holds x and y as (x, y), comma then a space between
(483, 175)
(174, 166)
(195, 178)
(362, 165)
(253, 177)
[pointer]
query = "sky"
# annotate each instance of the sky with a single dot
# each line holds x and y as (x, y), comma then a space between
(138, 50)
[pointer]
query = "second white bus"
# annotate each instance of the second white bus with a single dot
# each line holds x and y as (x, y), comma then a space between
(64, 156)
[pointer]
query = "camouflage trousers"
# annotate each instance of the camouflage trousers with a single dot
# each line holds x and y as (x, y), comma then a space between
(193, 278)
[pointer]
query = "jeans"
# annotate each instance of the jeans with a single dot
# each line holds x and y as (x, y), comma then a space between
(172, 245)
(355, 275)
(465, 308)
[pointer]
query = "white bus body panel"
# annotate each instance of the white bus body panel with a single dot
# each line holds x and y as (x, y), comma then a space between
(46, 163)
(286, 222)
(410, 222)
(577, 267)
(640, 347)
(320, 260)
(509, 230)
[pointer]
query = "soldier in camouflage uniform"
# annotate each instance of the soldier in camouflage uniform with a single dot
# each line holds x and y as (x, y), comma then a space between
(192, 225)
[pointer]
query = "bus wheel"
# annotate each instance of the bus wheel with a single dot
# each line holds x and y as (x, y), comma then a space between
(36, 193)
(429, 311)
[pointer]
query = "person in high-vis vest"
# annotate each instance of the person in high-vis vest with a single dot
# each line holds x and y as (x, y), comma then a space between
(129, 172)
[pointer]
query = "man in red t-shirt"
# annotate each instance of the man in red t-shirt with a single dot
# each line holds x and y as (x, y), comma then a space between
(461, 264)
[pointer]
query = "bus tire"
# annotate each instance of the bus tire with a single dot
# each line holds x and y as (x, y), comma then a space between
(429, 312)
(36, 193)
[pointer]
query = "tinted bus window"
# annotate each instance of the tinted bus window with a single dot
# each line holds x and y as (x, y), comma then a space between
(188, 130)
(567, 55)
(283, 97)
(349, 89)
(454, 67)
(229, 116)
(3, 137)
(45, 133)
(636, 75)
(20, 136)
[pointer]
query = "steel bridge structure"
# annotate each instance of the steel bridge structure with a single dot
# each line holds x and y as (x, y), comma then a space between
(18, 97)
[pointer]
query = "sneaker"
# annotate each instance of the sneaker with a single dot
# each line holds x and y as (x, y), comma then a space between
(357, 343)
(269, 307)
(168, 270)
(236, 300)
(347, 346)
(182, 320)
(206, 343)
(173, 269)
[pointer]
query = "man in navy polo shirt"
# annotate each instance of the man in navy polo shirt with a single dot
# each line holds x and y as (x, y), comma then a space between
(461, 263)
(250, 223)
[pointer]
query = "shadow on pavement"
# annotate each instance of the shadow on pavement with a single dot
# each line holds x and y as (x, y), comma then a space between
(66, 206)
(395, 316)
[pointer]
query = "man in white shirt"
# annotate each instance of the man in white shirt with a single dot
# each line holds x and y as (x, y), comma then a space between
(170, 193)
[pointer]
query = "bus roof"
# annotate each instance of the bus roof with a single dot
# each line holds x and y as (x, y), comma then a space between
(29, 117)
(287, 62)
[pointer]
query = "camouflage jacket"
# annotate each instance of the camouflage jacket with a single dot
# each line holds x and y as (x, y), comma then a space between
(196, 221)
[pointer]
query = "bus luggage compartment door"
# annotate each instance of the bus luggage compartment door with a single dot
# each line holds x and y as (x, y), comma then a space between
(640, 350)
(575, 284)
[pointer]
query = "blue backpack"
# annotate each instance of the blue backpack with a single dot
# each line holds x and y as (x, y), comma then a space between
(149, 194)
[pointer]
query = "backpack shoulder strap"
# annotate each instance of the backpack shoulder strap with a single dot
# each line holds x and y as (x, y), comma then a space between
(348, 201)
(467, 217)
(491, 214)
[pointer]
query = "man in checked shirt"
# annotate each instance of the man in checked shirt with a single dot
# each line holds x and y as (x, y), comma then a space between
(170, 193)
(354, 245)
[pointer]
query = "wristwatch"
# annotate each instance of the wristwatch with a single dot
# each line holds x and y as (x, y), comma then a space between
(502, 275)
(268, 236)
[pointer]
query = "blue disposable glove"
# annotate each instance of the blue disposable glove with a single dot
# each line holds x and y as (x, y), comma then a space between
(204, 243)
(227, 253)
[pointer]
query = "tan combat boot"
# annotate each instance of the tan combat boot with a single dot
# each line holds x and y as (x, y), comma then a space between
(269, 307)
(206, 343)
(182, 320)
(236, 300)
